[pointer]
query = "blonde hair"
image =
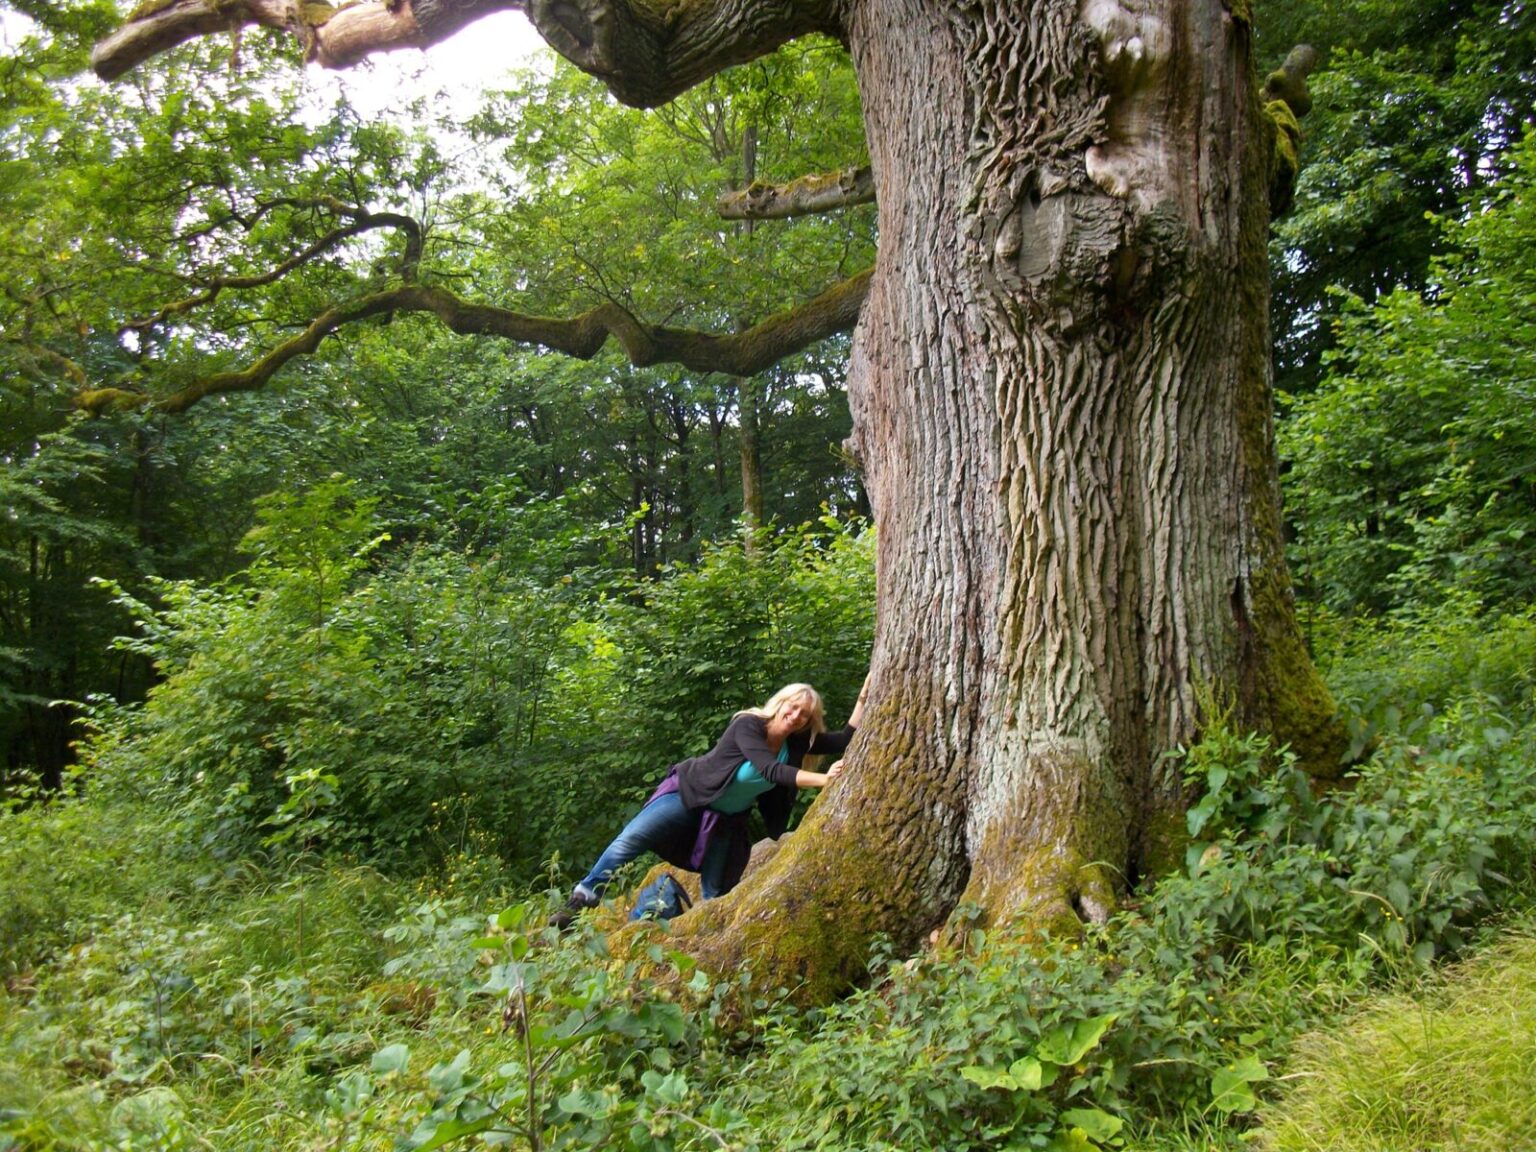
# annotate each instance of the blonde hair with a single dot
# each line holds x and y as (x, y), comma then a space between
(783, 696)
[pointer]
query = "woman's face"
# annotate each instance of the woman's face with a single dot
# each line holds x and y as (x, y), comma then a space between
(793, 715)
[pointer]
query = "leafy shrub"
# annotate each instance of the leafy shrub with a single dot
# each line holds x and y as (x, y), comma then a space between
(330, 704)
(1403, 674)
(71, 864)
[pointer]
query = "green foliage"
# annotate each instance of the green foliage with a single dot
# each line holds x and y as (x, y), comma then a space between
(590, 1056)
(253, 1009)
(420, 704)
(172, 227)
(1416, 103)
(329, 703)
(1411, 472)
(238, 1010)
(52, 897)
(610, 203)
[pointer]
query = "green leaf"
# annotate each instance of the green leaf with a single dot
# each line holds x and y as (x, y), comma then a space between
(1070, 1140)
(1230, 1091)
(391, 1059)
(1070, 1043)
(452, 1129)
(1026, 1074)
(1097, 1125)
(666, 1018)
(446, 1078)
(989, 1077)
(585, 1102)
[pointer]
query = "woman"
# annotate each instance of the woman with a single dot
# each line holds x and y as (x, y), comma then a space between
(697, 818)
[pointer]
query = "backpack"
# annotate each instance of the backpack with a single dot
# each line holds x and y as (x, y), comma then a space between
(661, 899)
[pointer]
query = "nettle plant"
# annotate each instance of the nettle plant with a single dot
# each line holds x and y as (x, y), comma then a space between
(583, 1050)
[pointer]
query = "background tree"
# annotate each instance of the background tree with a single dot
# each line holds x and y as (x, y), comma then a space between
(1413, 467)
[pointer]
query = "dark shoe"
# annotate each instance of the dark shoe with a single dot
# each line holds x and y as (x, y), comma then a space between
(562, 920)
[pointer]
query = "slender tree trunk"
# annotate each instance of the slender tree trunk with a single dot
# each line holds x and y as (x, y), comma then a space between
(747, 394)
(750, 391)
(1061, 397)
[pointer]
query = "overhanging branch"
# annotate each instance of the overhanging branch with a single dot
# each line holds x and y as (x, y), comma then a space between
(806, 196)
(336, 37)
(647, 53)
(362, 221)
(737, 354)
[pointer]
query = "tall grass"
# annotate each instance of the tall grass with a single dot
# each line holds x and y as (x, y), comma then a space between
(1451, 1068)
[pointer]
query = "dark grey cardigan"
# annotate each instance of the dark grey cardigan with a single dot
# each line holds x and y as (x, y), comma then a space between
(702, 779)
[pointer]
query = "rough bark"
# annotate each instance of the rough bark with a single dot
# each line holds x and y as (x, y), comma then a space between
(1061, 396)
(336, 36)
(648, 51)
(807, 196)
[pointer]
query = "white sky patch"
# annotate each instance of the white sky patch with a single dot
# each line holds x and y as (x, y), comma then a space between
(14, 28)
(452, 73)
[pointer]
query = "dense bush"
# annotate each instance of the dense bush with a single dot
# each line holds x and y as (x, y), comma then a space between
(71, 865)
(416, 704)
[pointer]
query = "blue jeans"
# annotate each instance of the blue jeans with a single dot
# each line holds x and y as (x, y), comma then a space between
(664, 819)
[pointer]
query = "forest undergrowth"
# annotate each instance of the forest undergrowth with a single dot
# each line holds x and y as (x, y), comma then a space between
(159, 996)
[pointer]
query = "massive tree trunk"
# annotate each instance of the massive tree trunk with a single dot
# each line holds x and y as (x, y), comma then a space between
(1061, 397)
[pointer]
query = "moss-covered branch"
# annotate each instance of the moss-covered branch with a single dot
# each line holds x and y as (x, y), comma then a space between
(737, 354)
(1286, 100)
(806, 196)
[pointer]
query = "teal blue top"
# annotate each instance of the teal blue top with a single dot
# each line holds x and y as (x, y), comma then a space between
(742, 792)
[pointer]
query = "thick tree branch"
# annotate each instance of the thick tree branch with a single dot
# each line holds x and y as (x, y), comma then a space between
(738, 354)
(1286, 100)
(362, 221)
(648, 51)
(806, 196)
(336, 37)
